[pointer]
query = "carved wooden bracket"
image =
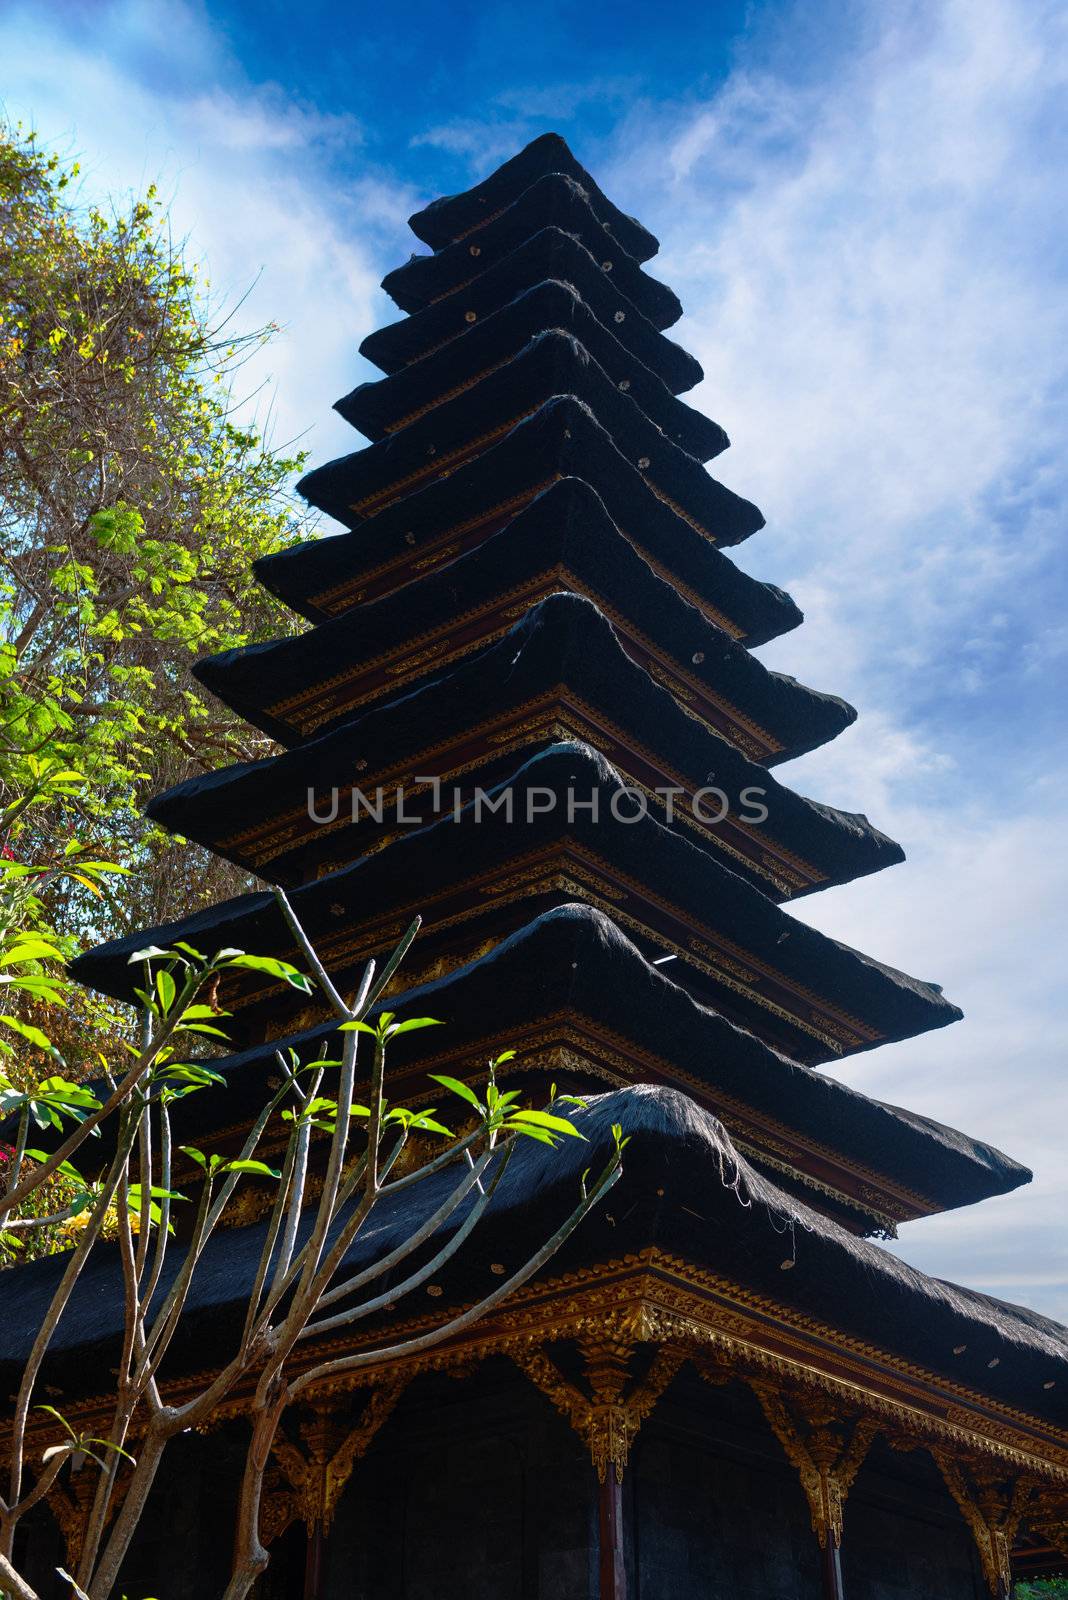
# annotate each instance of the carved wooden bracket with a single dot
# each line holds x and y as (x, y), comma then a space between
(993, 1505)
(825, 1443)
(1048, 1517)
(309, 1481)
(608, 1417)
(70, 1504)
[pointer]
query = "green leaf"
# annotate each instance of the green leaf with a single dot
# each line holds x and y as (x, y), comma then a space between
(189, 1072)
(539, 1134)
(425, 1122)
(412, 1023)
(166, 989)
(543, 1119)
(30, 950)
(65, 1168)
(151, 952)
(28, 1032)
(187, 949)
(260, 1168)
(454, 1086)
(60, 1418)
(271, 968)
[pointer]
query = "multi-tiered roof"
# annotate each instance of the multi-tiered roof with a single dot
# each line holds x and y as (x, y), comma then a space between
(530, 639)
(532, 595)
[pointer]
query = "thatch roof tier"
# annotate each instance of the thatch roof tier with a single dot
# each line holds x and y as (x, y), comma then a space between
(580, 1004)
(358, 486)
(565, 826)
(686, 1192)
(324, 577)
(549, 254)
(383, 407)
(459, 216)
(572, 993)
(559, 672)
(554, 201)
(563, 539)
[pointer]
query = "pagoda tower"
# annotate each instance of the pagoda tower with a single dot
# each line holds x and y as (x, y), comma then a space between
(526, 707)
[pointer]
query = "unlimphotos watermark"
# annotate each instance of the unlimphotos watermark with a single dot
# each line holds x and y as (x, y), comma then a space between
(428, 799)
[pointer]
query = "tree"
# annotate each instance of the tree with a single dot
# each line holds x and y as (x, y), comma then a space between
(133, 500)
(132, 503)
(306, 1284)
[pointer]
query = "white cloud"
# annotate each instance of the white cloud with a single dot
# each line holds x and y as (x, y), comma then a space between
(868, 261)
(871, 259)
(151, 95)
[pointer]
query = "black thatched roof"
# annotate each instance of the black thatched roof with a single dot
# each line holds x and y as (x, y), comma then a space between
(685, 1189)
(455, 216)
(563, 539)
(560, 439)
(386, 405)
(574, 963)
(562, 653)
(549, 254)
(552, 201)
(552, 363)
(815, 997)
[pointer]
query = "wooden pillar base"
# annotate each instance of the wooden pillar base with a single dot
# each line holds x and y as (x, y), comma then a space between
(610, 1528)
(831, 1560)
(313, 1563)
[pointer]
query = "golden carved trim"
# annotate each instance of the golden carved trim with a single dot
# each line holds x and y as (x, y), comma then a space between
(825, 1444)
(557, 715)
(993, 1507)
(307, 711)
(561, 1045)
(656, 1298)
(607, 1420)
(436, 467)
(317, 1474)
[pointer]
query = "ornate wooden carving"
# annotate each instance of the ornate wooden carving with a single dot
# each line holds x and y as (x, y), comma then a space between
(608, 1417)
(1047, 1516)
(993, 1506)
(826, 1443)
(308, 1482)
(70, 1503)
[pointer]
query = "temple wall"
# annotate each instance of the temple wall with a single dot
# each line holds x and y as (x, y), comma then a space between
(715, 1509)
(474, 1491)
(905, 1537)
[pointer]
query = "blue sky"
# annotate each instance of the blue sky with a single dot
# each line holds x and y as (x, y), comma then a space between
(861, 206)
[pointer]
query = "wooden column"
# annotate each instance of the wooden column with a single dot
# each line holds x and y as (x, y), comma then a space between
(826, 1444)
(831, 1566)
(317, 1470)
(606, 1416)
(613, 1569)
(313, 1561)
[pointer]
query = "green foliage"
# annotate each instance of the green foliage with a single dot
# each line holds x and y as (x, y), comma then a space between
(1042, 1589)
(133, 501)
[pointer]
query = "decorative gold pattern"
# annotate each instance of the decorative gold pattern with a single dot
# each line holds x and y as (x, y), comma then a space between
(825, 1443)
(993, 1506)
(607, 1420)
(316, 1476)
